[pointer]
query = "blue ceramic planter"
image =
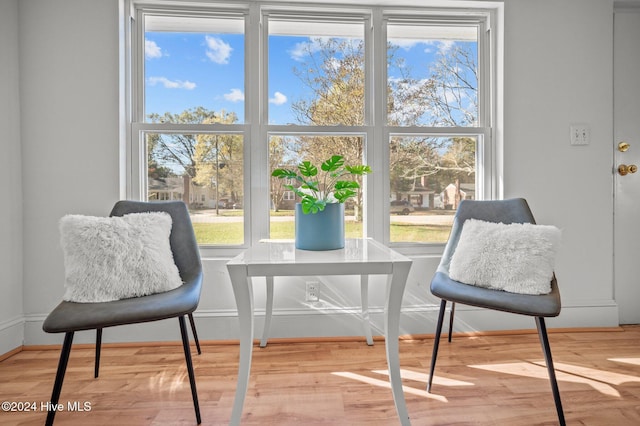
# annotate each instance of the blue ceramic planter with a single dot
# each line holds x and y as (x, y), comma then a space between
(320, 231)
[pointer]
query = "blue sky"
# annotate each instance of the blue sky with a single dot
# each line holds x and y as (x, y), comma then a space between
(185, 70)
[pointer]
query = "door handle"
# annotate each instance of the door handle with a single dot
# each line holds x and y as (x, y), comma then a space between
(623, 169)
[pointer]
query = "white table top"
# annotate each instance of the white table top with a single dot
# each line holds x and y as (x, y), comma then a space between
(272, 257)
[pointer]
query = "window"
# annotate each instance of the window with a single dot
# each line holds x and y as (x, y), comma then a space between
(188, 110)
(221, 94)
(206, 172)
(317, 64)
(193, 64)
(433, 81)
(431, 175)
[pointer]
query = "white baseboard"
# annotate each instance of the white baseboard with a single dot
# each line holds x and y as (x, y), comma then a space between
(11, 334)
(324, 321)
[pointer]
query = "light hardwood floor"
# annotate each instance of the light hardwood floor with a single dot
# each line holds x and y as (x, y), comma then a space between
(495, 379)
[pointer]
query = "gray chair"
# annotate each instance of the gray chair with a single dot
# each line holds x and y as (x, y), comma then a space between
(538, 306)
(69, 317)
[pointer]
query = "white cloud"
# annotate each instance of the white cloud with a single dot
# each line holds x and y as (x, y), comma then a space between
(278, 99)
(315, 44)
(169, 84)
(217, 50)
(443, 46)
(446, 45)
(151, 49)
(302, 49)
(404, 43)
(235, 95)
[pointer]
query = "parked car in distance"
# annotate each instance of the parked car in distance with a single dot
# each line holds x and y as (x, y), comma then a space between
(402, 207)
(225, 203)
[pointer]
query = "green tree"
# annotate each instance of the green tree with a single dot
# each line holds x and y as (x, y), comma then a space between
(178, 149)
(154, 169)
(334, 71)
(214, 160)
(452, 96)
(218, 160)
(277, 155)
(448, 98)
(412, 159)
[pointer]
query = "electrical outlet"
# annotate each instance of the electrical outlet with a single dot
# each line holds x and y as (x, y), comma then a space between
(312, 291)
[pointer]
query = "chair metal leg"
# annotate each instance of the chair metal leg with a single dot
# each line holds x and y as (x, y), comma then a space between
(192, 376)
(436, 343)
(546, 348)
(195, 333)
(62, 368)
(96, 368)
(451, 314)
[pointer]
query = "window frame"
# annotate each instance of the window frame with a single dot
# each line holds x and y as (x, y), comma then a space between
(256, 127)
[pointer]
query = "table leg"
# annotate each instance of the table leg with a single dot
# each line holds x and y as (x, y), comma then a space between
(395, 290)
(243, 292)
(268, 310)
(364, 296)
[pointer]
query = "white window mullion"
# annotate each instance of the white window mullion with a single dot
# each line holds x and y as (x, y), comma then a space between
(127, 171)
(378, 153)
(137, 149)
(495, 80)
(137, 74)
(257, 150)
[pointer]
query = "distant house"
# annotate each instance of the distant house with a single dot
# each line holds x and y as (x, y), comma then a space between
(423, 198)
(451, 196)
(166, 189)
(420, 198)
(182, 188)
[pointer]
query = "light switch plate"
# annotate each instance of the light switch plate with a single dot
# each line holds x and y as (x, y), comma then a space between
(580, 134)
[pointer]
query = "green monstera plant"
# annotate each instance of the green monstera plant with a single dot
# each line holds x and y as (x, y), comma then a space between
(317, 188)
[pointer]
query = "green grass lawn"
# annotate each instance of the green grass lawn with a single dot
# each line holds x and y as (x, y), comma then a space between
(232, 233)
(219, 233)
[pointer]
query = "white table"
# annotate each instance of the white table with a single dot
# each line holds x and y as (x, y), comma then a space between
(364, 312)
(358, 257)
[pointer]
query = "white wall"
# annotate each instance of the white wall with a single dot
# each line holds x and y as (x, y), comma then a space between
(11, 302)
(558, 70)
(69, 98)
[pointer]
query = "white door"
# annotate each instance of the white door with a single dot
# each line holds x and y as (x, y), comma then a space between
(626, 84)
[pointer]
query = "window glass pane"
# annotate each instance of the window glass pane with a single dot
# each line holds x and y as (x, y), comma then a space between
(432, 75)
(187, 81)
(429, 176)
(206, 172)
(316, 73)
(193, 63)
(287, 152)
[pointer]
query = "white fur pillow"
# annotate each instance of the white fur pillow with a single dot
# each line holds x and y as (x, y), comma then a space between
(111, 258)
(518, 257)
